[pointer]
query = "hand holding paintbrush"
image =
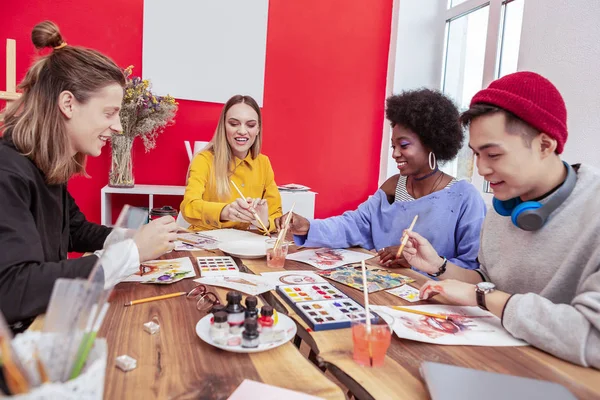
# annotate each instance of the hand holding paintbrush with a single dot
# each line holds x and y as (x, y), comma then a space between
(405, 237)
(252, 209)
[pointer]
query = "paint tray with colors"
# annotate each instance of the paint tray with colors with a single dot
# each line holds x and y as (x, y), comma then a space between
(217, 266)
(310, 292)
(322, 306)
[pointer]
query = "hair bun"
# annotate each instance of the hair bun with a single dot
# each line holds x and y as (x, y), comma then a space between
(46, 34)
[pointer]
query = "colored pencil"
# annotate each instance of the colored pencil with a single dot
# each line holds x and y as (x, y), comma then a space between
(405, 237)
(410, 310)
(253, 211)
(147, 299)
(366, 296)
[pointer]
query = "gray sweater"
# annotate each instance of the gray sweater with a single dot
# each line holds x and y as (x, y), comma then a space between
(554, 274)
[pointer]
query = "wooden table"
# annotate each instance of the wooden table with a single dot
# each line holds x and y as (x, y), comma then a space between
(400, 378)
(176, 364)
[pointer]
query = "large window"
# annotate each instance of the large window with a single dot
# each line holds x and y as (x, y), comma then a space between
(458, 46)
(482, 44)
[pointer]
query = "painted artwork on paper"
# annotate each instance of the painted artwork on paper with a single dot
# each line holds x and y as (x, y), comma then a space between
(195, 241)
(245, 283)
(163, 271)
(377, 278)
(325, 258)
(469, 326)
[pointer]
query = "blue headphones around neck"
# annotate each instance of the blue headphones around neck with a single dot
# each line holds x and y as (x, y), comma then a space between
(532, 215)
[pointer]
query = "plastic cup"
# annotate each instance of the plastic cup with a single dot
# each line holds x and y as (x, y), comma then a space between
(370, 349)
(276, 257)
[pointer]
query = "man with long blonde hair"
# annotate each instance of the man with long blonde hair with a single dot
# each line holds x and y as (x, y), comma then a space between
(68, 110)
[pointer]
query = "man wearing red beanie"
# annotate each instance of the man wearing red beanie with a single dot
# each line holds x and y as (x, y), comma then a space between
(540, 250)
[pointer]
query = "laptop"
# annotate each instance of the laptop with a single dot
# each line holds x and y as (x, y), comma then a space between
(449, 382)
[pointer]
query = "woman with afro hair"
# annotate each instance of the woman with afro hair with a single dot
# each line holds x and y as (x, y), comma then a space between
(426, 130)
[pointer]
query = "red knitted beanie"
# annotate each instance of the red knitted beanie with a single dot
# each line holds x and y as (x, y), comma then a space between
(532, 98)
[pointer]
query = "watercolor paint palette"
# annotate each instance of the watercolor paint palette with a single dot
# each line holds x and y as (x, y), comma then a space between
(217, 266)
(316, 292)
(322, 306)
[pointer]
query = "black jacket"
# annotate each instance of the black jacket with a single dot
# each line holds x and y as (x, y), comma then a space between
(39, 224)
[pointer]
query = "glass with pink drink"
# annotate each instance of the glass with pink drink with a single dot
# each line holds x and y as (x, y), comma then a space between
(276, 255)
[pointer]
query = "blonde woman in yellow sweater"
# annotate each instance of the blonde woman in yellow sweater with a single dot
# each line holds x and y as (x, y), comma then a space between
(233, 154)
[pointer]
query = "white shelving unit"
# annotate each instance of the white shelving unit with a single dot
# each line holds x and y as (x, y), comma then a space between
(305, 201)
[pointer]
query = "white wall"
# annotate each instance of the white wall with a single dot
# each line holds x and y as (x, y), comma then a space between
(416, 52)
(560, 39)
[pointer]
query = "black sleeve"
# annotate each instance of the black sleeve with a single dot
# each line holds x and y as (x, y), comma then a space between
(85, 236)
(26, 279)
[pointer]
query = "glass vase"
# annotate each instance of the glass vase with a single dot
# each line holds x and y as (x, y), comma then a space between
(121, 166)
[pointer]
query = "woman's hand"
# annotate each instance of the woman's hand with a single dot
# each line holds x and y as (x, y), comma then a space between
(262, 209)
(238, 211)
(298, 224)
(387, 258)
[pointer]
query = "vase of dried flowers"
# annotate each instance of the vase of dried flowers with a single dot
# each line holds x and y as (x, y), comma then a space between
(143, 115)
(121, 166)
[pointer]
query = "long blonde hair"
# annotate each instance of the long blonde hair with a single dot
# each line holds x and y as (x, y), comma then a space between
(34, 123)
(223, 162)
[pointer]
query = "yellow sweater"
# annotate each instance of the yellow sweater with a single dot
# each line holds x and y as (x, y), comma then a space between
(255, 178)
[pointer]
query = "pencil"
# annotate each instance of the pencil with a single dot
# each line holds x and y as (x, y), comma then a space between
(147, 299)
(253, 211)
(411, 310)
(405, 237)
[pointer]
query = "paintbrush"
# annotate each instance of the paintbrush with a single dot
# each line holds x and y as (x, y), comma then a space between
(405, 237)
(286, 226)
(368, 321)
(252, 209)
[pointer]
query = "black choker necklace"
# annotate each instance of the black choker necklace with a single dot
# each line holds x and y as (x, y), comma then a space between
(427, 176)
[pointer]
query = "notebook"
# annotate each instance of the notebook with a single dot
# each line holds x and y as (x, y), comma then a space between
(448, 382)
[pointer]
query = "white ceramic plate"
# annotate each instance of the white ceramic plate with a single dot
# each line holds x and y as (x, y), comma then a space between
(244, 248)
(284, 322)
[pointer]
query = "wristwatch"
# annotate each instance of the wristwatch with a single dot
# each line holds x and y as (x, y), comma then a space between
(481, 289)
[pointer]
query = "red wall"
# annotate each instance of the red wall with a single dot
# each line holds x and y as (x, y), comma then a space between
(324, 93)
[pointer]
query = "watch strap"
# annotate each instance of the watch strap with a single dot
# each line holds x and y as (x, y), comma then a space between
(480, 296)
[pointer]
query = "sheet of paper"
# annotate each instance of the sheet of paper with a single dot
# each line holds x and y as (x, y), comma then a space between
(200, 241)
(164, 271)
(406, 292)
(246, 283)
(325, 258)
(468, 326)
(292, 278)
(251, 390)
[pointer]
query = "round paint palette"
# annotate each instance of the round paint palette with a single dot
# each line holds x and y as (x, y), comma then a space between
(244, 248)
(284, 323)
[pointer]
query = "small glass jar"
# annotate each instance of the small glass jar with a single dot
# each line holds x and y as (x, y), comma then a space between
(251, 310)
(235, 312)
(250, 334)
(219, 328)
(156, 213)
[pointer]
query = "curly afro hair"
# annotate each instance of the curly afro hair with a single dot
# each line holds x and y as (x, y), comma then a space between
(430, 115)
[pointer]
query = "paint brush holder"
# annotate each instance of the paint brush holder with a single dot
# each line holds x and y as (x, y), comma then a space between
(89, 385)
